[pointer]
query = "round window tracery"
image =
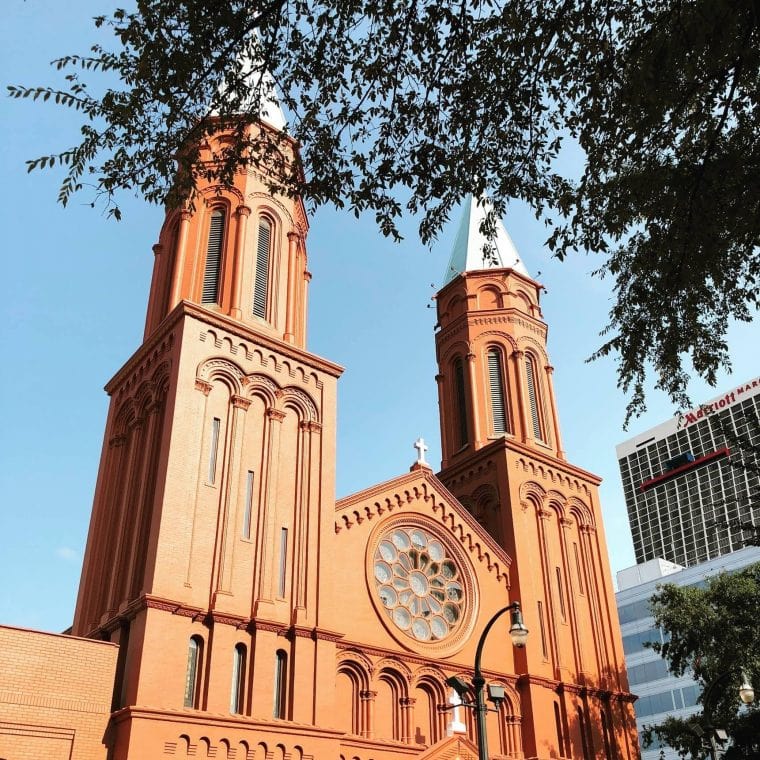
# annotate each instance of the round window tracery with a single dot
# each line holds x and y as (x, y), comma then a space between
(419, 585)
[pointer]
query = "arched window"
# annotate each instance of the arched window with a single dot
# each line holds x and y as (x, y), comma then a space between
(261, 272)
(460, 401)
(237, 695)
(193, 673)
(533, 396)
(280, 684)
(213, 270)
(496, 387)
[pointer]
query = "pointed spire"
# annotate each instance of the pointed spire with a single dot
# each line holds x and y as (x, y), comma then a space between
(269, 108)
(473, 251)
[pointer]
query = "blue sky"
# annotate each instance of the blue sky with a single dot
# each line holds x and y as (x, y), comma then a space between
(74, 309)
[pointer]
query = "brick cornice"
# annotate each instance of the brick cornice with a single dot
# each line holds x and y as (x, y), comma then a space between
(516, 447)
(204, 719)
(186, 309)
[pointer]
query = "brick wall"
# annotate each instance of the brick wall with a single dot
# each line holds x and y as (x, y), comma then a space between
(55, 695)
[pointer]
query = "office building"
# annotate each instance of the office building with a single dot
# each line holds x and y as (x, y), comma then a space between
(692, 484)
(660, 693)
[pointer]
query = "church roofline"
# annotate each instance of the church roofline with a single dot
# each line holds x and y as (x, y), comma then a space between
(431, 479)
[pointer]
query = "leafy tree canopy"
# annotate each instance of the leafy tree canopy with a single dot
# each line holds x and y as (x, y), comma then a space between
(714, 633)
(409, 106)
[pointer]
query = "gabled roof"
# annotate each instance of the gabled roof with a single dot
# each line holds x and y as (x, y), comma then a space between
(420, 485)
(455, 747)
(473, 251)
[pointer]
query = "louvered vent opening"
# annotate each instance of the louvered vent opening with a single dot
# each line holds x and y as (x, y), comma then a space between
(461, 402)
(530, 377)
(261, 280)
(496, 385)
(212, 273)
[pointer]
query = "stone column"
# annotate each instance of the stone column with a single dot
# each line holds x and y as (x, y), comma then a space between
(179, 259)
(522, 394)
(474, 416)
(555, 417)
(407, 718)
(290, 301)
(445, 443)
(242, 213)
(367, 713)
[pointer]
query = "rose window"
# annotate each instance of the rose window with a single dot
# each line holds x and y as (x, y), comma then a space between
(419, 586)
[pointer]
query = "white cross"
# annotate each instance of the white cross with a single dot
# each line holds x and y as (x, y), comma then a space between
(419, 444)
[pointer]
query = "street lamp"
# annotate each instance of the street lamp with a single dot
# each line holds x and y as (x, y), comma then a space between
(714, 739)
(496, 694)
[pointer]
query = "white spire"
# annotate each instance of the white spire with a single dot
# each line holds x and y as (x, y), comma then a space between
(269, 107)
(269, 104)
(473, 251)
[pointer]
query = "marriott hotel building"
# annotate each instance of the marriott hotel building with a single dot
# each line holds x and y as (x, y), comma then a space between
(692, 484)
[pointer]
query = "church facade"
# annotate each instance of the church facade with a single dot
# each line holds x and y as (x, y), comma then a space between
(256, 618)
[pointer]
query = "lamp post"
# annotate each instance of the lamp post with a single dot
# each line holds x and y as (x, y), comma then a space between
(714, 738)
(519, 634)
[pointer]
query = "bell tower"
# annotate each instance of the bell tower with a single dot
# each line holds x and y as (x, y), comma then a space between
(216, 483)
(503, 459)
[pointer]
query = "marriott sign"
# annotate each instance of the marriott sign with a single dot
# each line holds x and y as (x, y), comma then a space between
(690, 417)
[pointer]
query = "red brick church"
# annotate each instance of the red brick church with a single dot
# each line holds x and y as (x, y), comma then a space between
(230, 608)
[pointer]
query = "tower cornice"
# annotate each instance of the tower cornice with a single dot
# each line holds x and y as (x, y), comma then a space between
(214, 319)
(485, 317)
(514, 446)
(499, 273)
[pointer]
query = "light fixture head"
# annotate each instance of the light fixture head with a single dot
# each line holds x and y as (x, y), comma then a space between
(496, 693)
(517, 631)
(746, 691)
(462, 688)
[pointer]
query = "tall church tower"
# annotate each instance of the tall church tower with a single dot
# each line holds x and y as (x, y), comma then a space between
(503, 459)
(215, 489)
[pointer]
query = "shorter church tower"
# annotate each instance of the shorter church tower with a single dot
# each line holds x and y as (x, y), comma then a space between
(503, 459)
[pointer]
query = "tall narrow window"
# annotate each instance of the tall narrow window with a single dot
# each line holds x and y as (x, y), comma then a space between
(578, 568)
(530, 377)
(213, 450)
(542, 628)
(238, 680)
(261, 273)
(461, 402)
(248, 507)
(280, 684)
(283, 561)
(192, 675)
(212, 273)
(496, 385)
(561, 594)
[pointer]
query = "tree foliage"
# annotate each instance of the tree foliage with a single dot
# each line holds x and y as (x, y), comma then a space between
(409, 105)
(714, 635)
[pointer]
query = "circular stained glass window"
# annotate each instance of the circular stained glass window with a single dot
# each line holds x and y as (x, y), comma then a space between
(419, 586)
